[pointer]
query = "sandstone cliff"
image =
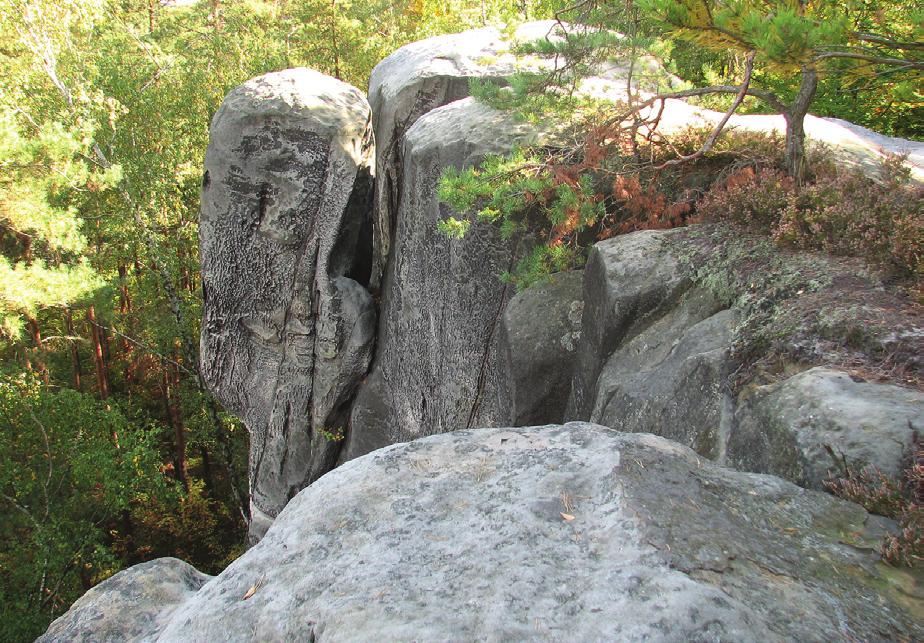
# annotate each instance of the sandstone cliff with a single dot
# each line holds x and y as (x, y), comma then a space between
(339, 322)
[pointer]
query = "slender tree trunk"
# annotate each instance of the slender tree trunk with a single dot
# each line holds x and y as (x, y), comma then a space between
(179, 431)
(795, 125)
(335, 45)
(39, 348)
(215, 11)
(125, 298)
(207, 472)
(102, 380)
(125, 308)
(107, 355)
(76, 367)
(26, 242)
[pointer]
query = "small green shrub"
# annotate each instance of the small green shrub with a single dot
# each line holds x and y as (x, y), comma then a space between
(335, 434)
(844, 212)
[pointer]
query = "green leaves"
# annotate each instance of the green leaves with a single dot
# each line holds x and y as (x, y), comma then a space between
(68, 466)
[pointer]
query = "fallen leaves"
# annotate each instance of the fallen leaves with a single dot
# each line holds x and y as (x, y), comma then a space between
(253, 589)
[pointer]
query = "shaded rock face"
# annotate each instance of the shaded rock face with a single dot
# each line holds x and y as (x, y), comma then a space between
(654, 350)
(436, 367)
(670, 378)
(573, 532)
(288, 326)
(133, 605)
(783, 428)
(629, 282)
(539, 334)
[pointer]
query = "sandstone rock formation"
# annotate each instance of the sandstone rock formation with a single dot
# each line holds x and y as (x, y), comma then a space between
(436, 367)
(540, 331)
(655, 356)
(287, 325)
(630, 281)
(670, 378)
(573, 532)
(424, 75)
(784, 428)
(134, 605)
(416, 79)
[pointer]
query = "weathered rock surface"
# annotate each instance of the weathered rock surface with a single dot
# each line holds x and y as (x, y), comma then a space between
(783, 428)
(670, 379)
(436, 367)
(285, 232)
(133, 605)
(572, 532)
(539, 334)
(416, 79)
(655, 356)
(630, 282)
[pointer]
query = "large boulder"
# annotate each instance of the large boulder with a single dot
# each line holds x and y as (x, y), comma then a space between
(654, 353)
(133, 605)
(670, 379)
(436, 367)
(630, 282)
(539, 334)
(287, 327)
(787, 428)
(573, 532)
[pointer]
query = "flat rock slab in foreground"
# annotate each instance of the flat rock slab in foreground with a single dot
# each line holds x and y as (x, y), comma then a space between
(572, 532)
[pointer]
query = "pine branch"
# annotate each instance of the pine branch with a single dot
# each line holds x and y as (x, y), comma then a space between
(713, 137)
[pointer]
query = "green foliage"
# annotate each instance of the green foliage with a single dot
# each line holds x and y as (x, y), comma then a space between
(69, 466)
(525, 197)
(334, 434)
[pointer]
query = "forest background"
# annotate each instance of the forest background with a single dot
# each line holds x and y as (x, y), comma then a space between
(111, 450)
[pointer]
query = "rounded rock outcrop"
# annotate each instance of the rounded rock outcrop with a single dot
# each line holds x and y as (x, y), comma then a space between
(573, 532)
(285, 229)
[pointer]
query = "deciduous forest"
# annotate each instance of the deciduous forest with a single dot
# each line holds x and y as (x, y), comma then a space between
(112, 452)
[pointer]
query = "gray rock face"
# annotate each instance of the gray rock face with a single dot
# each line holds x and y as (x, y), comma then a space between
(630, 281)
(539, 334)
(416, 79)
(783, 428)
(436, 367)
(654, 350)
(669, 379)
(133, 605)
(572, 532)
(285, 227)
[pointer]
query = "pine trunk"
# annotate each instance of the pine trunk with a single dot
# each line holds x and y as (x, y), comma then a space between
(76, 367)
(179, 431)
(102, 379)
(795, 125)
(38, 349)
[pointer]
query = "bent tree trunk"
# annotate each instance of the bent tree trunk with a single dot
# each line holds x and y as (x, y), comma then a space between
(795, 124)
